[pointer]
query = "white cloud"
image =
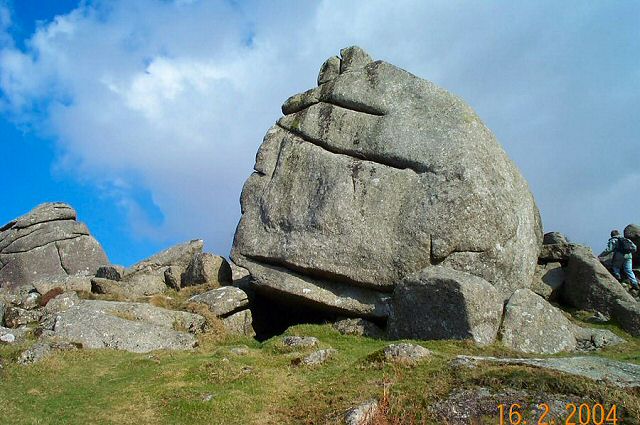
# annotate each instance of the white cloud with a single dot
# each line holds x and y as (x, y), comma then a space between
(176, 96)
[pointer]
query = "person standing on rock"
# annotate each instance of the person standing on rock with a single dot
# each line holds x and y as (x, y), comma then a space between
(623, 250)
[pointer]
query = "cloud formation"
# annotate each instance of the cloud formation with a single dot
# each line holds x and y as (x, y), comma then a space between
(175, 96)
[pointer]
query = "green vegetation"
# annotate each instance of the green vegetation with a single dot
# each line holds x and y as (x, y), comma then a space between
(212, 385)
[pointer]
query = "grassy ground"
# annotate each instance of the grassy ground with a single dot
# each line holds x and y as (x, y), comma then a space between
(211, 385)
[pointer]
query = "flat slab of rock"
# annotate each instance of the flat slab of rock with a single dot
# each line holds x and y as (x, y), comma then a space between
(138, 284)
(330, 296)
(596, 368)
(442, 303)
(148, 313)
(589, 285)
(223, 301)
(356, 186)
(98, 328)
(47, 243)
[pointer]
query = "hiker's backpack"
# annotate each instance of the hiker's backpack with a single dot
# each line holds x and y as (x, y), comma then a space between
(626, 246)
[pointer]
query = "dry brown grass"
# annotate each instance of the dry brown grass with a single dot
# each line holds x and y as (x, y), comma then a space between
(49, 295)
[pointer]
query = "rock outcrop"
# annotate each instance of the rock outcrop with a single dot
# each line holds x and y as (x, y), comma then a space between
(181, 265)
(371, 177)
(47, 243)
(134, 327)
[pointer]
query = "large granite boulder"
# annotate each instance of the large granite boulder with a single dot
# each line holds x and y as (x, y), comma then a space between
(588, 284)
(372, 176)
(47, 243)
(442, 303)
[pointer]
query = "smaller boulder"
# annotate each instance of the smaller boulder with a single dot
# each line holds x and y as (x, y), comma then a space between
(554, 238)
(3, 309)
(16, 316)
(532, 325)
(207, 268)
(62, 302)
(223, 301)
(632, 232)
(557, 252)
(110, 272)
(172, 276)
(363, 414)
(300, 341)
(548, 280)
(405, 353)
(627, 314)
(595, 339)
(589, 286)
(442, 303)
(240, 323)
(329, 70)
(359, 327)
(78, 282)
(318, 357)
(42, 349)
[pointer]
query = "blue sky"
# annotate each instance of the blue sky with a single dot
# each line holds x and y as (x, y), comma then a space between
(146, 115)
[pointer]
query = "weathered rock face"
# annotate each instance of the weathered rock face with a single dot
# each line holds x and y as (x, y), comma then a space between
(589, 286)
(132, 327)
(223, 301)
(181, 265)
(632, 232)
(375, 175)
(554, 238)
(47, 243)
(207, 268)
(532, 325)
(441, 303)
(548, 280)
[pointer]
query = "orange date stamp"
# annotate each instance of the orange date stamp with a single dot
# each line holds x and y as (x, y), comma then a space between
(576, 414)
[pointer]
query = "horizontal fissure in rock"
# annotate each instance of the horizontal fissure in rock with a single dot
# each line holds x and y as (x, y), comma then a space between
(377, 159)
(352, 106)
(320, 274)
(77, 235)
